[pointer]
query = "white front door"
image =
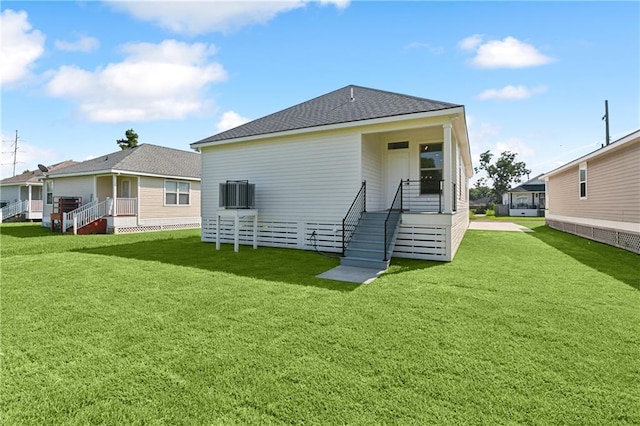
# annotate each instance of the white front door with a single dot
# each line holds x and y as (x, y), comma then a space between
(397, 170)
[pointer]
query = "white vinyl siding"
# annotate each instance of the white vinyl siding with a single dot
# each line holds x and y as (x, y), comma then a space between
(9, 193)
(373, 163)
(295, 179)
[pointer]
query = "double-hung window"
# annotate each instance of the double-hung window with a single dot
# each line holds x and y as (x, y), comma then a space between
(48, 184)
(431, 162)
(582, 178)
(176, 193)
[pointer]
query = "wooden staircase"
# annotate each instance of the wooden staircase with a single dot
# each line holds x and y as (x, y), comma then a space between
(366, 249)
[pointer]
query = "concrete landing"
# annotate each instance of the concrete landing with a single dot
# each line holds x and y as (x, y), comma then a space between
(498, 226)
(351, 274)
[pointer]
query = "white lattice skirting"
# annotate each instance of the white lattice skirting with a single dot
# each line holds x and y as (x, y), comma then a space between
(621, 239)
(152, 228)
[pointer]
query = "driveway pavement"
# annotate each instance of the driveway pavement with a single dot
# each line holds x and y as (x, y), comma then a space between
(498, 226)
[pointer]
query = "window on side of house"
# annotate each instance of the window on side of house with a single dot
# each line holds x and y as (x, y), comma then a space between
(582, 178)
(48, 184)
(431, 162)
(176, 193)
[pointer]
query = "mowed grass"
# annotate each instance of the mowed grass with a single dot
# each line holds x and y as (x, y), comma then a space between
(160, 328)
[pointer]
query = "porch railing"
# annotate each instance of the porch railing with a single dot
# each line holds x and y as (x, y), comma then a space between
(86, 214)
(422, 196)
(36, 206)
(13, 209)
(393, 217)
(126, 206)
(354, 213)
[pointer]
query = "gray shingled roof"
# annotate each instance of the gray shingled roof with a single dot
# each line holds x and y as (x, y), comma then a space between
(35, 175)
(143, 159)
(333, 108)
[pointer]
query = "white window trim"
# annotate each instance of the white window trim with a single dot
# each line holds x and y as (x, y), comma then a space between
(583, 166)
(420, 145)
(164, 194)
(46, 182)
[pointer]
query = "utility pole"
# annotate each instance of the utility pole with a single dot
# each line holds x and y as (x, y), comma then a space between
(606, 121)
(15, 153)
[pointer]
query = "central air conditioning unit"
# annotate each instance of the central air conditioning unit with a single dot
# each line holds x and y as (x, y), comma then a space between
(237, 194)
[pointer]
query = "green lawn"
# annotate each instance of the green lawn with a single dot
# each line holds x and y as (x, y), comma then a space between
(160, 328)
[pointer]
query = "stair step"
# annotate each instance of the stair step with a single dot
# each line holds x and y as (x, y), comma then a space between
(364, 253)
(364, 263)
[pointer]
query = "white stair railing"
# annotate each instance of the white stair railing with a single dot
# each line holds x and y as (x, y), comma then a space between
(13, 209)
(86, 214)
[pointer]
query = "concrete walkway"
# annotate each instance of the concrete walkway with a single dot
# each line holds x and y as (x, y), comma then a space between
(498, 226)
(351, 274)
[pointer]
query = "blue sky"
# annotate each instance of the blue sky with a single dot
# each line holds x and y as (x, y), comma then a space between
(533, 76)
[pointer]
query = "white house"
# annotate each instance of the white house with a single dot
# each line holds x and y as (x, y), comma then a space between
(527, 199)
(146, 188)
(363, 172)
(597, 196)
(21, 195)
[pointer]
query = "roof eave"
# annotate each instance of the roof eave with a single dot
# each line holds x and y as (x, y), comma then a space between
(613, 146)
(121, 172)
(441, 112)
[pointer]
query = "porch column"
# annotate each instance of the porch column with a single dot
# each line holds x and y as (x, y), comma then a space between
(447, 173)
(114, 193)
(29, 205)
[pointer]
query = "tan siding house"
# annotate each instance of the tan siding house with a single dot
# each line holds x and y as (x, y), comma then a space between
(146, 188)
(598, 196)
(323, 168)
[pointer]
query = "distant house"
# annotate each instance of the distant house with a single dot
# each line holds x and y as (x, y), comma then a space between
(597, 196)
(21, 195)
(527, 199)
(146, 188)
(363, 172)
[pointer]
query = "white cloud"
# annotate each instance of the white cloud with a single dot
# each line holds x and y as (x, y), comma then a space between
(516, 145)
(201, 17)
(21, 46)
(471, 42)
(229, 120)
(83, 44)
(507, 53)
(154, 82)
(511, 92)
(434, 50)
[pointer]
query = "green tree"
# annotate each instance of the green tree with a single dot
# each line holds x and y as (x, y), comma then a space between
(131, 140)
(480, 190)
(505, 172)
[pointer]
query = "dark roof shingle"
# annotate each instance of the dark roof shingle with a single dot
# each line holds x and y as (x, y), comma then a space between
(145, 158)
(35, 175)
(333, 108)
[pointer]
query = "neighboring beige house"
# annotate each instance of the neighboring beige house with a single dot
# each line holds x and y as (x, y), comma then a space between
(146, 188)
(363, 172)
(21, 195)
(598, 196)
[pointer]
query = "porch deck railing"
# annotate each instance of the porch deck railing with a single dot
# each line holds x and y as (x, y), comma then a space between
(421, 196)
(86, 214)
(354, 213)
(126, 206)
(13, 209)
(36, 206)
(393, 217)
(526, 206)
